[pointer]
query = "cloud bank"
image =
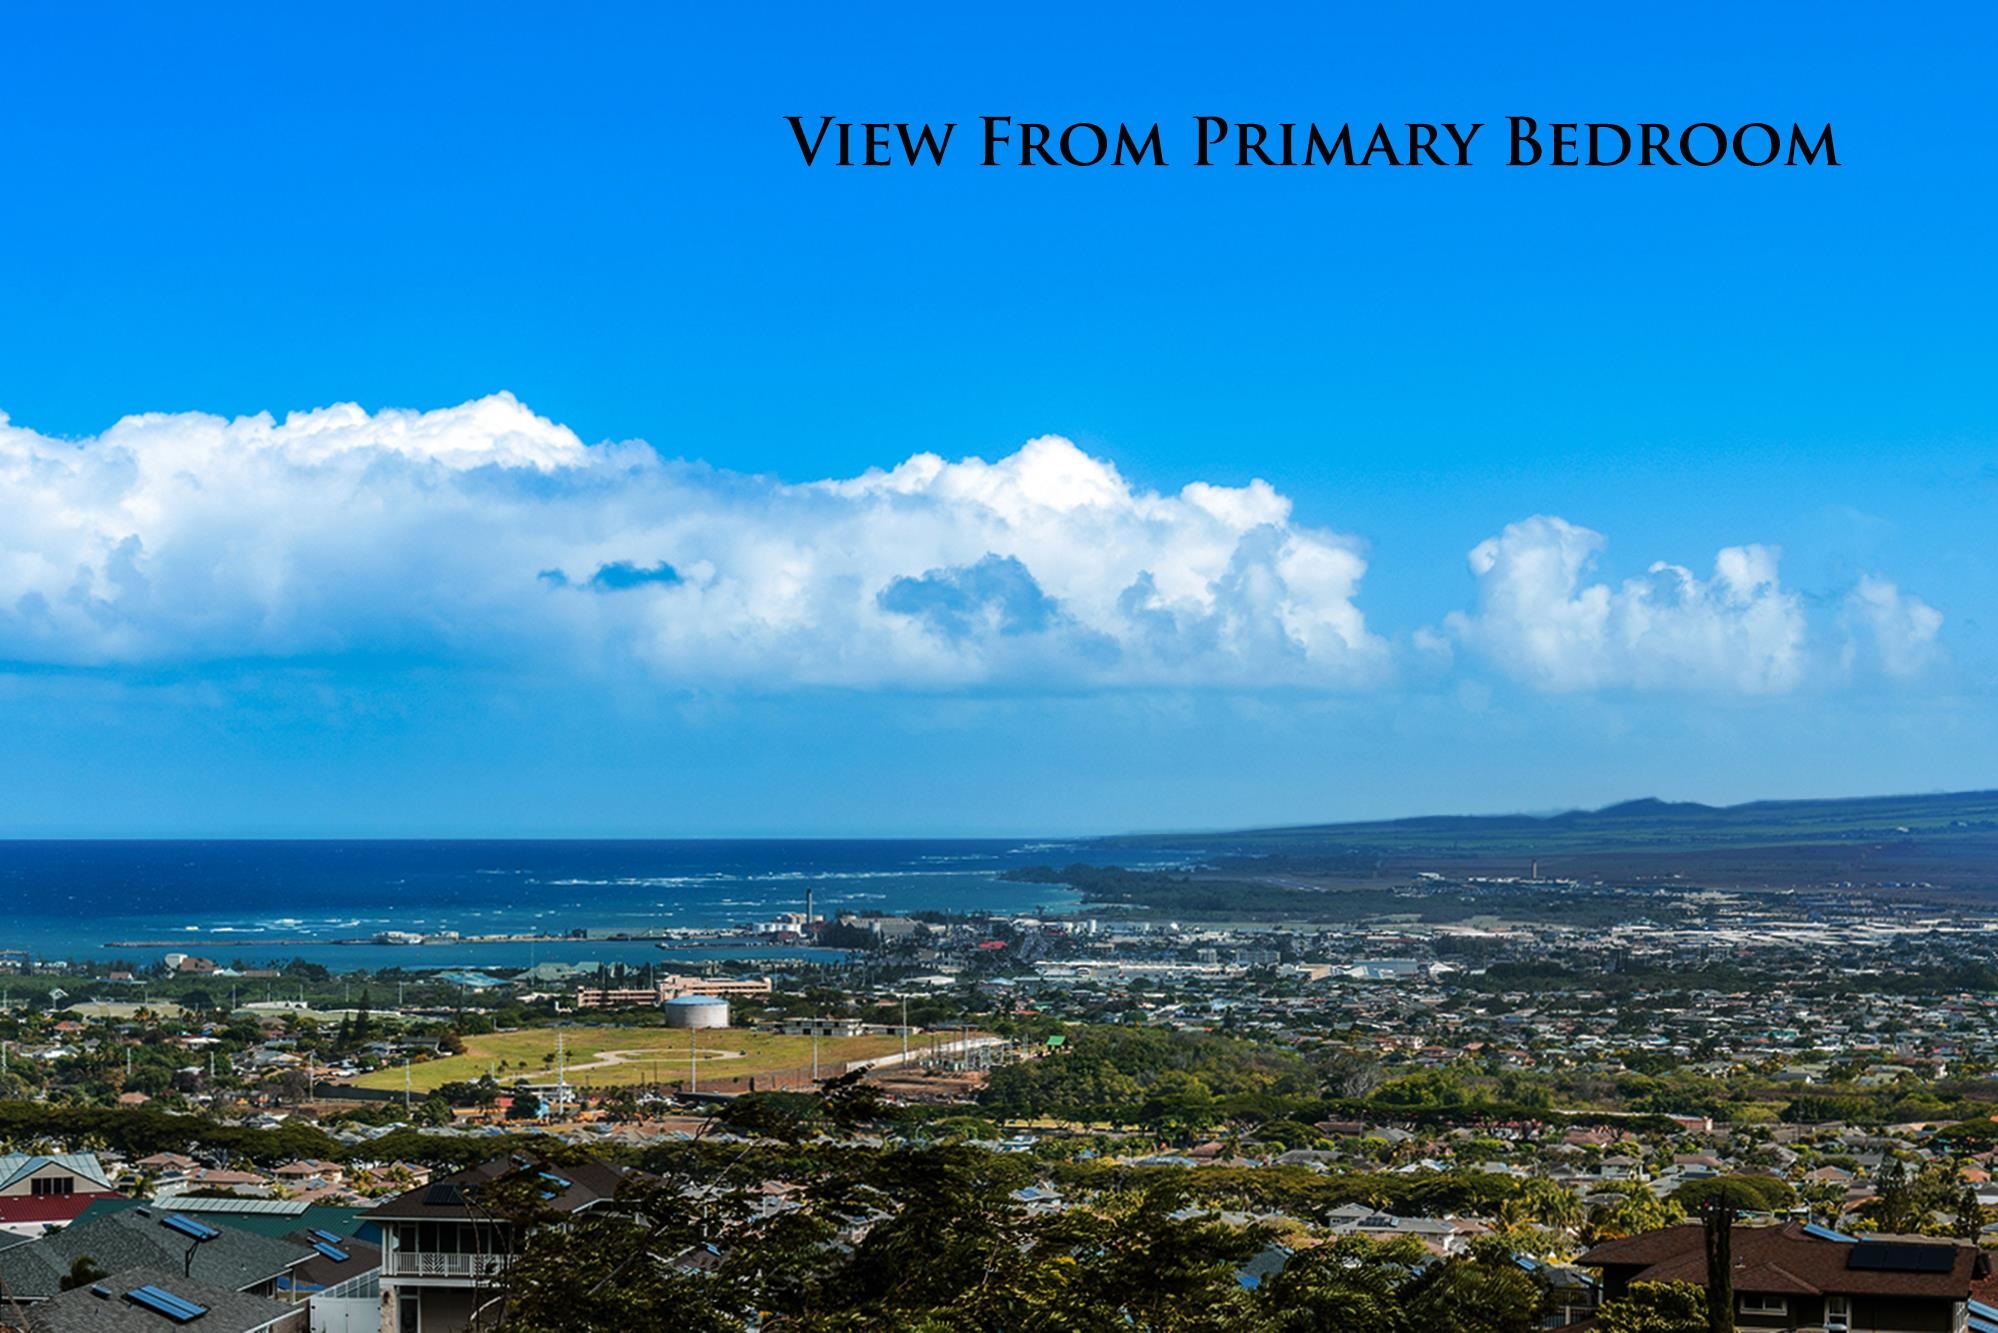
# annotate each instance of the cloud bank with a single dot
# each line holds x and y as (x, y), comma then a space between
(486, 532)
(486, 529)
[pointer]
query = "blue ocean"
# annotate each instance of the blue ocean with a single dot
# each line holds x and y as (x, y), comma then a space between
(247, 903)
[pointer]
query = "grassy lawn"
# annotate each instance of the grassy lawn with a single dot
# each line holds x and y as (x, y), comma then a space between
(630, 1055)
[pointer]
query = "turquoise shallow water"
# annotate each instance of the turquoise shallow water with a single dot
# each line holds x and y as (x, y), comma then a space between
(235, 901)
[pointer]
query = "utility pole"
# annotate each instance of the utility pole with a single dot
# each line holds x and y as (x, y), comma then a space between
(815, 1054)
(405, 1085)
(693, 1060)
(905, 1029)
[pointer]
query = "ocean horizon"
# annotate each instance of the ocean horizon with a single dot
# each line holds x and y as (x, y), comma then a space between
(244, 902)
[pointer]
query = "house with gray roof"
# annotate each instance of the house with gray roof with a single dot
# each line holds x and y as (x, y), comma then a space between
(1441, 1235)
(153, 1239)
(161, 1301)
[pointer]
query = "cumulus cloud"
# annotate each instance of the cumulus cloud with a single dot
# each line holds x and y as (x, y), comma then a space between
(1736, 630)
(486, 529)
(1896, 630)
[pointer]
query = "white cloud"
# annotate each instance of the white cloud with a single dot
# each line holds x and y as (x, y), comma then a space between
(486, 530)
(1738, 630)
(1896, 630)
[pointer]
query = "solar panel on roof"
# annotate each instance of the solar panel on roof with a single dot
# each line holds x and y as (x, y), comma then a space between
(559, 1182)
(286, 1207)
(161, 1301)
(1890, 1257)
(326, 1236)
(187, 1226)
(333, 1252)
(443, 1194)
(1826, 1233)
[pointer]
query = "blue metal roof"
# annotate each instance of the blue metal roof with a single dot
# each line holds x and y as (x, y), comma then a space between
(187, 1226)
(161, 1300)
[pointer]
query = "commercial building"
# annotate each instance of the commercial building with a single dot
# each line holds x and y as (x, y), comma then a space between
(824, 1027)
(670, 987)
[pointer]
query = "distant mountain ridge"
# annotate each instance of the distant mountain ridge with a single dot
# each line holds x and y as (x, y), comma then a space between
(1645, 805)
(1646, 824)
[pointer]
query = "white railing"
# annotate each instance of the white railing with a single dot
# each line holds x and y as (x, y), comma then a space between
(428, 1263)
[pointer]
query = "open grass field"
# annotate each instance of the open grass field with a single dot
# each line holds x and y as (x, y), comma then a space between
(612, 1056)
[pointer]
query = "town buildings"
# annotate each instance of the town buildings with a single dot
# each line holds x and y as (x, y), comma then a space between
(670, 987)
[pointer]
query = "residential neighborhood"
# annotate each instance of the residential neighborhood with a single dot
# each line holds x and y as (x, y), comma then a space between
(382, 1149)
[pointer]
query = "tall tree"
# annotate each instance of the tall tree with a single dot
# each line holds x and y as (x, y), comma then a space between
(1969, 1213)
(363, 1028)
(1717, 1224)
(1483, 1291)
(1351, 1285)
(1894, 1196)
(1655, 1307)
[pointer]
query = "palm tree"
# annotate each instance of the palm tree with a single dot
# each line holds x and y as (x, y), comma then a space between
(1634, 1211)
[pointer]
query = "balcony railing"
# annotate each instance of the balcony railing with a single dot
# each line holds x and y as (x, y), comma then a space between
(428, 1263)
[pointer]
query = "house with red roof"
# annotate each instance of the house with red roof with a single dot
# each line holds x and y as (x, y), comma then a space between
(40, 1190)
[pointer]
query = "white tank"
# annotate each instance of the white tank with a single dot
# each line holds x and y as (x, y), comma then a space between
(696, 1011)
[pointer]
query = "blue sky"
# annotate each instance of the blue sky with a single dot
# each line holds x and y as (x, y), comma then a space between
(210, 629)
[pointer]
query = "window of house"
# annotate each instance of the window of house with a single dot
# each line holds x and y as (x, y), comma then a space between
(1765, 1305)
(47, 1185)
